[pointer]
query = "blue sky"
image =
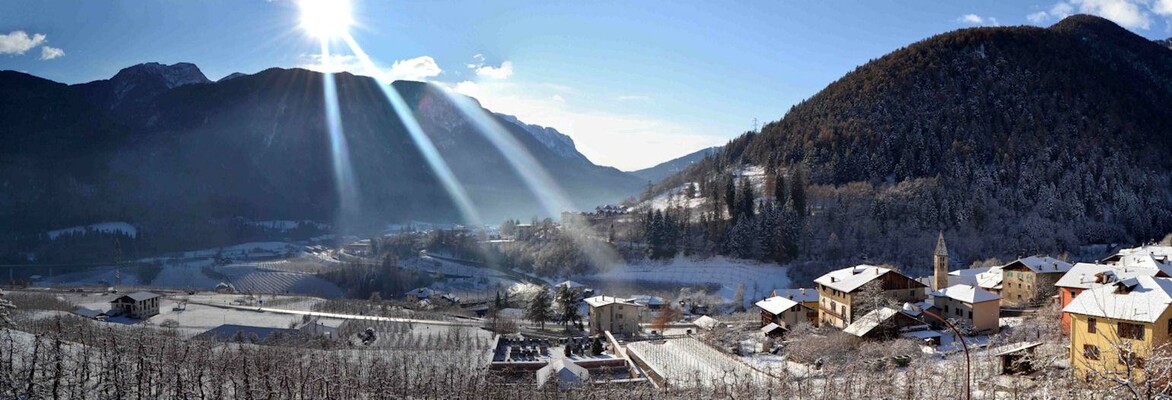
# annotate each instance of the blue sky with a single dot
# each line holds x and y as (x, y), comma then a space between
(634, 83)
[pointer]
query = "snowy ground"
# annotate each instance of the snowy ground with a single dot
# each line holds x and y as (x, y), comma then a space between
(759, 278)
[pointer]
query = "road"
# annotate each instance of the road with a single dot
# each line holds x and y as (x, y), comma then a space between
(470, 323)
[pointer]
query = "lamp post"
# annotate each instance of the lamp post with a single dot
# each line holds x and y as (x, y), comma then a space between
(968, 393)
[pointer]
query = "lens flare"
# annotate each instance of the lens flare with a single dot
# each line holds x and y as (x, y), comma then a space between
(434, 160)
(325, 18)
(344, 180)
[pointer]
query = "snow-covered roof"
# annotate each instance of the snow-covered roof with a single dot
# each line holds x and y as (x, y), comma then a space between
(567, 372)
(599, 301)
(1085, 275)
(571, 285)
(1042, 265)
(139, 296)
(770, 328)
(967, 294)
(1142, 298)
(647, 300)
(800, 295)
(1149, 250)
(990, 279)
(868, 322)
(851, 278)
(776, 305)
(421, 293)
(706, 322)
(1144, 260)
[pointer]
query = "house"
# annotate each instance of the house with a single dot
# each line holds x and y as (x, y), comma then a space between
(613, 314)
(651, 304)
(1161, 254)
(839, 292)
(581, 289)
(419, 294)
(883, 323)
(138, 305)
(706, 323)
(1083, 276)
(1029, 280)
(1114, 326)
(784, 312)
(972, 306)
(566, 373)
(361, 248)
(986, 278)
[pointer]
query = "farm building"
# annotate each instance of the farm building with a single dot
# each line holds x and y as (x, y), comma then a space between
(249, 334)
(883, 323)
(139, 305)
(419, 294)
(609, 313)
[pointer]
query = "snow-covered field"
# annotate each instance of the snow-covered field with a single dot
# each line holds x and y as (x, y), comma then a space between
(104, 227)
(687, 362)
(759, 278)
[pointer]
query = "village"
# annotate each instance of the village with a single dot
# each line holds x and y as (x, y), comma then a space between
(1106, 321)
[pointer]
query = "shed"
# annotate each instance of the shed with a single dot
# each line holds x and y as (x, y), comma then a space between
(1016, 358)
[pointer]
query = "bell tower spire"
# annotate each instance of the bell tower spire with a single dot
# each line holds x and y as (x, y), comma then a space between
(940, 264)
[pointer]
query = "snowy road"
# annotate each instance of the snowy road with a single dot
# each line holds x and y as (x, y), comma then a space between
(470, 323)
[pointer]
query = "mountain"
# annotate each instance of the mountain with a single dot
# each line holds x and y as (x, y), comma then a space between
(1011, 140)
(668, 168)
(558, 142)
(233, 75)
(1165, 42)
(167, 150)
(133, 88)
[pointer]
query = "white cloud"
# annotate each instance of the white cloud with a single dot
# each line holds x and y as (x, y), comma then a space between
(502, 72)
(1162, 7)
(414, 69)
(974, 19)
(1130, 14)
(627, 140)
(49, 53)
(18, 42)
(971, 19)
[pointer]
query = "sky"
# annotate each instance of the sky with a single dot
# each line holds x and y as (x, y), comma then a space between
(634, 83)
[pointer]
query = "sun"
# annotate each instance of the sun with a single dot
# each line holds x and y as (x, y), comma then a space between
(325, 18)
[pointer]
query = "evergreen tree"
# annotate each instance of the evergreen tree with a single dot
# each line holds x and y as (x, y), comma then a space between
(798, 191)
(497, 303)
(746, 199)
(540, 308)
(568, 300)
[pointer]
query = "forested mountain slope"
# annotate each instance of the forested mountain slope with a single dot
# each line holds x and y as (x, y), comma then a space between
(1011, 140)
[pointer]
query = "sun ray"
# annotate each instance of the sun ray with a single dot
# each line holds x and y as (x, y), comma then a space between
(344, 180)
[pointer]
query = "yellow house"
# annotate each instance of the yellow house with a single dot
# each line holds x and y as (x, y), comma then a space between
(1115, 328)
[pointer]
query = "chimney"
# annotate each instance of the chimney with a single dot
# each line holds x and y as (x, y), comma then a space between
(833, 279)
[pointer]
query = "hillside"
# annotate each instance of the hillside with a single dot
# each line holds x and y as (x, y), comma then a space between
(176, 155)
(674, 166)
(1011, 140)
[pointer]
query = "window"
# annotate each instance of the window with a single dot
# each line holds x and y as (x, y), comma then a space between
(970, 315)
(959, 312)
(945, 308)
(1091, 328)
(1131, 331)
(1170, 326)
(1090, 352)
(1131, 359)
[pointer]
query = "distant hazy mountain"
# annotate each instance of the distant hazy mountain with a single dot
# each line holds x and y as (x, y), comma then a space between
(558, 142)
(163, 147)
(668, 168)
(1011, 140)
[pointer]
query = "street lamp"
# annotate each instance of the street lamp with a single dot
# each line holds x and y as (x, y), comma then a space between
(967, 392)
